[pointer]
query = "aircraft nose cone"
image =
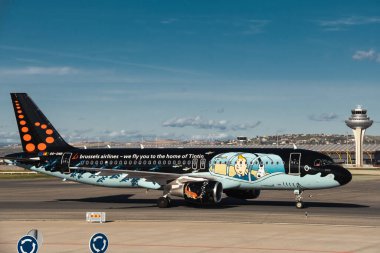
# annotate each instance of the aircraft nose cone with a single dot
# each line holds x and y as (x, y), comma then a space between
(342, 175)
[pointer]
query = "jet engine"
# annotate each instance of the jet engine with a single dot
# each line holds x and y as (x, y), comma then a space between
(242, 194)
(206, 192)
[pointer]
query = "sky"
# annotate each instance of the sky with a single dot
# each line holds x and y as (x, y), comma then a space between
(126, 70)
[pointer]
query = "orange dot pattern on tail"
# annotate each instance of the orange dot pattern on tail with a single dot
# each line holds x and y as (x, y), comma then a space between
(30, 147)
(27, 137)
(49, 140)
(41, 146)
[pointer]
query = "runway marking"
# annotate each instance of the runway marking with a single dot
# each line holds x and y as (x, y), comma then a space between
(196, 246)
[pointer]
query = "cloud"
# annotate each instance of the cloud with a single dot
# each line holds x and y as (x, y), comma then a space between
(370, 55)
(98, 59)
(168, 21)
(35, 70)
(7, 137)
(324, 117)
(213, 136)
(220, 110)
(255, 26)
(343, 24)
(200, 123)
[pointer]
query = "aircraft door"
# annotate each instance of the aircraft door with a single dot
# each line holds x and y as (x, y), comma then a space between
(294, 163)
(65, 162)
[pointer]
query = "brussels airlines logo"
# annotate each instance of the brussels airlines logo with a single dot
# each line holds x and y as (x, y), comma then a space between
(25, 126)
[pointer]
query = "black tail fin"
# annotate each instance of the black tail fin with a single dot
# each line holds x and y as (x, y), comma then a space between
(36, 132)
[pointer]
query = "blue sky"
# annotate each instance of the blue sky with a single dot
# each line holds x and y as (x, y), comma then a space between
(120, 70)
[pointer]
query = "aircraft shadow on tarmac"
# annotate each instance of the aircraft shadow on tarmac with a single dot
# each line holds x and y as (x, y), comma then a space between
(307, 204)
(126, 199)
(225, 203)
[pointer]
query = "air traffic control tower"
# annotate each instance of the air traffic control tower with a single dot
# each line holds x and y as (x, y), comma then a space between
(359, 122)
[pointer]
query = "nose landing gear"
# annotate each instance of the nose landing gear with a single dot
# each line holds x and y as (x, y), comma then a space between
(298, 194)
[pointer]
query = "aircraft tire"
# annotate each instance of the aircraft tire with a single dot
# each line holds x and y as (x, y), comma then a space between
(299, 205)
(163, 202)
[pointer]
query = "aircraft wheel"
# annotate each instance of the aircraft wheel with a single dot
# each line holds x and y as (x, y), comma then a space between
(299, 204)
(163, 202)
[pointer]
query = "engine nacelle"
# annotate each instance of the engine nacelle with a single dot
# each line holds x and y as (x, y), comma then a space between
(206, 192)
(242, 194)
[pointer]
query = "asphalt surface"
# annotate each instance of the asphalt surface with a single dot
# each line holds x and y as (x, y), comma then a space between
(340, 220)
(357, 203)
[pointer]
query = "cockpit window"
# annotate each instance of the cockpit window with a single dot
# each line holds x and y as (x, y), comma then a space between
(322, 162)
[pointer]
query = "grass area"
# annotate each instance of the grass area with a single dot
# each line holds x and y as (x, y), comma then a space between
(25, 176)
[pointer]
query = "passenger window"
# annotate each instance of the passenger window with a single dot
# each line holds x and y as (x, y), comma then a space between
(203, 164)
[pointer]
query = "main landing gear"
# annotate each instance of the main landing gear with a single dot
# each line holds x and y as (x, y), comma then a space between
(299, 203)
(164, 202)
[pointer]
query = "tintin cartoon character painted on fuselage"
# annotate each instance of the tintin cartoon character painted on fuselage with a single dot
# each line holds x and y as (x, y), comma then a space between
(241, 168)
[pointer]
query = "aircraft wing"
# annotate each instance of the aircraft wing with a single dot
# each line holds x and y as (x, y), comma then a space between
(157, 177)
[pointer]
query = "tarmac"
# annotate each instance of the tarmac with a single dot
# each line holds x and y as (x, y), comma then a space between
(344, 219)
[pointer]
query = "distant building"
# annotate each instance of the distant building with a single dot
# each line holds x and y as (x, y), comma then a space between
(242, 139)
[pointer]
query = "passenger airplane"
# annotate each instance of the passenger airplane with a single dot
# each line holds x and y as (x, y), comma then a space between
(199, 175)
